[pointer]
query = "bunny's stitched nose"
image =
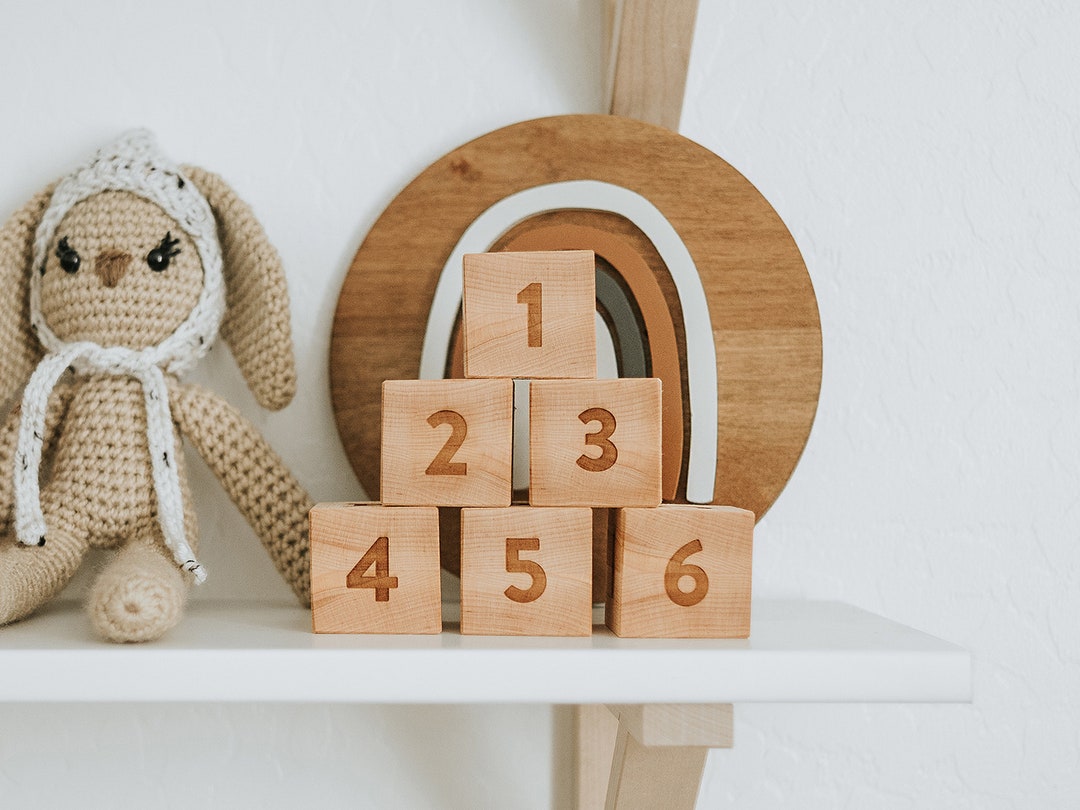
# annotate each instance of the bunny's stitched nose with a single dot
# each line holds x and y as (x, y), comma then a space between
(111, 265)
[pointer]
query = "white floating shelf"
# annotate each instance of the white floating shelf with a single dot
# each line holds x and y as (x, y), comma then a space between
(233, 651)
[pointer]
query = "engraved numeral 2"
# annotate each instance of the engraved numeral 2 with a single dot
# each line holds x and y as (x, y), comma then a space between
(441, 464)
(378, 555)
(609, 453)
(677, 569)
(533, 297)
(516, 565)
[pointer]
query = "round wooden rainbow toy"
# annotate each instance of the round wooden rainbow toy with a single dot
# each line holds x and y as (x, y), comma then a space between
(698, 280)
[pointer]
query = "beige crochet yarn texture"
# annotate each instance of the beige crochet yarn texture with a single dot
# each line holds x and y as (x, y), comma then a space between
(124, 271)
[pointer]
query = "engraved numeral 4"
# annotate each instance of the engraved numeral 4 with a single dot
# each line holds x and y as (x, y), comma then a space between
(378, 555)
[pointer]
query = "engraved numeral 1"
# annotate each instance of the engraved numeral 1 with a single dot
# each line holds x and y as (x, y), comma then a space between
(533, 297)
(516, 565)
(677, 569)
(609, 453)
(378, 555)
(441, 464)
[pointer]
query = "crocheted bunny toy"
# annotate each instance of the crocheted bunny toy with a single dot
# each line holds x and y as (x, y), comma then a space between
(118, 279)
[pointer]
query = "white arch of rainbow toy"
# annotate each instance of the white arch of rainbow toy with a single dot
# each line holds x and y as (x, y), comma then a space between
(594, 195)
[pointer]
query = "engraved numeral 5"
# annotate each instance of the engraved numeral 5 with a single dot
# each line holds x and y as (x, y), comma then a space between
(516, 565)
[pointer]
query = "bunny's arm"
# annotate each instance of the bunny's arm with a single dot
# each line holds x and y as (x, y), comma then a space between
(9, 437)
(254, 477)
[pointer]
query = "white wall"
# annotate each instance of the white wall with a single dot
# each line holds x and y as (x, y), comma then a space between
(924, 155)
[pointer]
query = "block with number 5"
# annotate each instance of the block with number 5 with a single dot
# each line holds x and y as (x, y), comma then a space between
(595, 442)
(375, 569)
(682, 571)
(447, 442)
(526, 572)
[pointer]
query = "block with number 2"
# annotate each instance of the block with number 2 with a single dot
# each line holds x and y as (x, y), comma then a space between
(447, 442)
(375, 569)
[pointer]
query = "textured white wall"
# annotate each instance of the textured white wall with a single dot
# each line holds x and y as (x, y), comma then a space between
(924, 155)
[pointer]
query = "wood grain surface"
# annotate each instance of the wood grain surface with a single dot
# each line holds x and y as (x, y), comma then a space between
(761, 301)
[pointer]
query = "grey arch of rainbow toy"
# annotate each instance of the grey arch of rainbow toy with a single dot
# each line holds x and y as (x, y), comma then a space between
(594, 195)
(624, 321)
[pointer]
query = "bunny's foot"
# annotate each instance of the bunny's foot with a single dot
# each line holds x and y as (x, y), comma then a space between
(138, 597)
(31, 575)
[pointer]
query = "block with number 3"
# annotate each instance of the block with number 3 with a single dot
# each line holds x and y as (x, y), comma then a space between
(526, 572)
(595, 442)
(530, 314)
(682, 571)
(375, 569)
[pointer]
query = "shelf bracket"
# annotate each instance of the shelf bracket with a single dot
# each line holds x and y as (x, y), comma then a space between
(644, 756)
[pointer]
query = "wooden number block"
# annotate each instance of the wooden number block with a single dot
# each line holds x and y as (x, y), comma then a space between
(682, 571)
(375, 569)
(530, 314)
(447, 442)
(595, 443)
(526, 572)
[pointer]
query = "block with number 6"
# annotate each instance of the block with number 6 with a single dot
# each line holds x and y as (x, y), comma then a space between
(447, 442)
(526, 572)
(375, 569)
(595, 442)
(682, 571)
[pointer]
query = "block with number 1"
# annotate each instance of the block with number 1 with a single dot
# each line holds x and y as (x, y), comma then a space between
(530, 315)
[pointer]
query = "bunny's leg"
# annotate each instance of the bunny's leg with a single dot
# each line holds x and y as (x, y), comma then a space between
(30, 575)
(138, 596)
(141, 593)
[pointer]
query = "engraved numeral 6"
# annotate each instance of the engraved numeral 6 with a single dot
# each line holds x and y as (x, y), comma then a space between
(677, 569)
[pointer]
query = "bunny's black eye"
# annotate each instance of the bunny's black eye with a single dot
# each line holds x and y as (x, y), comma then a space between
(158, 259)
(69, 258)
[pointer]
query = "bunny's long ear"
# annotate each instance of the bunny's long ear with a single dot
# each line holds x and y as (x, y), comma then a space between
(19, 348)
(256, 324)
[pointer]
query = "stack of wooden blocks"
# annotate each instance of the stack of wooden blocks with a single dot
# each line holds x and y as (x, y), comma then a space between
(680, 570)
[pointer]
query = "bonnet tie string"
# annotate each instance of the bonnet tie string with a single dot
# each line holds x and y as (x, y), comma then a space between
(30, 525)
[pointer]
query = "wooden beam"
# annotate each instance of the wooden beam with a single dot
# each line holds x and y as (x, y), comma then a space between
(644, 777)
(595, 734)
(647, 756)
(648, 45)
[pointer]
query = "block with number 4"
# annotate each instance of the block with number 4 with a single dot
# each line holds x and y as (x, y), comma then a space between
(682, 571)
(447, 442)
(530, 314)
(595, 442)
(526, 572)
(375, 569)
